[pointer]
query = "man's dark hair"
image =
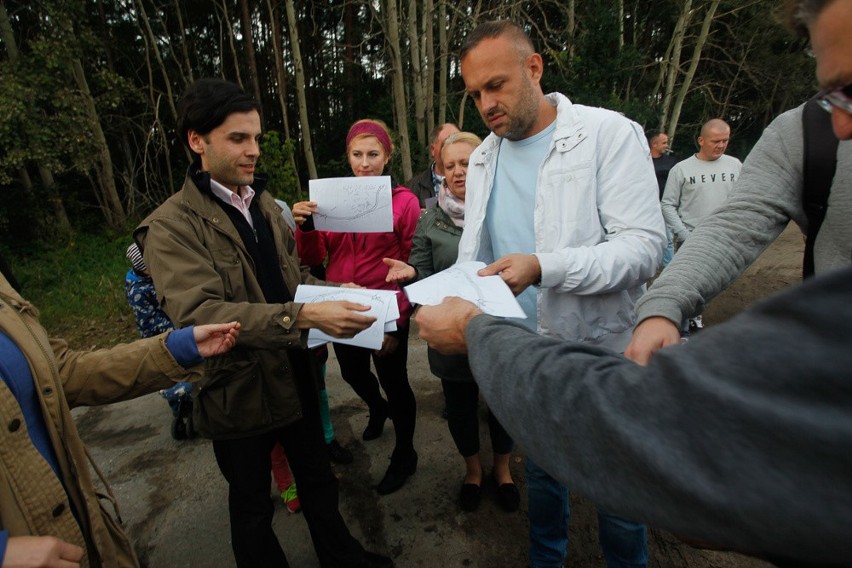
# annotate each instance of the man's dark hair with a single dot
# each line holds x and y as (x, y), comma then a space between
(801, 13)
(651, 134)
(495, 29)
(207, 103)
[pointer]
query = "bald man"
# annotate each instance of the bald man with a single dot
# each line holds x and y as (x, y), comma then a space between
(701, 183)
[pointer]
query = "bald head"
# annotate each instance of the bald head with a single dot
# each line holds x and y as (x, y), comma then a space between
(713, 141)
(436, 140)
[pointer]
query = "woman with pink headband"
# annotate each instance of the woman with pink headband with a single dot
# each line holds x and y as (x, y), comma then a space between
(357, 257)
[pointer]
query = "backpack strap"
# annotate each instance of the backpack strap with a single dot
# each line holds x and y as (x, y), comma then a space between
(820, 162)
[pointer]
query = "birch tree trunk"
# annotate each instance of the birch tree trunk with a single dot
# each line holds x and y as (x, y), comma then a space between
(620, 25)
(304, 123)
(429, 63)
(190, 77)
(671, 67)
(398, 81)
(414, 41)
(281, 75)
(107, 193)
(572, 26)
(250, 55)
(443, 59)
(156, 51)
(693, 66)
(230, 31)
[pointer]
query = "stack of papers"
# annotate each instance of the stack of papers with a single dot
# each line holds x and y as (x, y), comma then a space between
(489, 293)
(383, 307)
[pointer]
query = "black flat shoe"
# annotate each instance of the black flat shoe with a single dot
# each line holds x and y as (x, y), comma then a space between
(508, 497)
(397, 474)
(373, 560)
(470, 497)
(376, 424)
(338, 454)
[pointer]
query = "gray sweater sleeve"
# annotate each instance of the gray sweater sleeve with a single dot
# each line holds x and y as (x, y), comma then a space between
(766, 197)
(742, 437)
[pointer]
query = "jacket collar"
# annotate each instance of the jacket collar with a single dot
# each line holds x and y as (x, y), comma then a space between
(569, 131)
(201, 179)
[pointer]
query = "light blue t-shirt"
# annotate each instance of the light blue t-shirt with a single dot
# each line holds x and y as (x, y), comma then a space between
(510, 217)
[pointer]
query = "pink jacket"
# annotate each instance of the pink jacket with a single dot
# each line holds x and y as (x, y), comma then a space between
(357, 257)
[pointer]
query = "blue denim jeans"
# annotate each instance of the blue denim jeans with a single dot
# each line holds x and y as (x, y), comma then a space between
(668, 254)
(623, 542)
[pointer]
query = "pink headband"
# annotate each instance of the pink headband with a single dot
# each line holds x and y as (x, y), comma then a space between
(369, 129)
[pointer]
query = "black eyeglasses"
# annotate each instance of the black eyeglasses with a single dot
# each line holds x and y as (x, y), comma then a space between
(840, 97)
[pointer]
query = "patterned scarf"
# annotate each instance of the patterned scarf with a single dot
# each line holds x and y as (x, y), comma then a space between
(451, 205)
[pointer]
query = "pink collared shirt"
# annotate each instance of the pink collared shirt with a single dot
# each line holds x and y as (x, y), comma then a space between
(241, 201)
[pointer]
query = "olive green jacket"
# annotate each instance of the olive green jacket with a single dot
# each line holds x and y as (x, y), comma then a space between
(33, 500)
(203, 274)
(434, 248)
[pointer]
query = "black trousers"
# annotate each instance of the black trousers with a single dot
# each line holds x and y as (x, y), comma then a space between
(393, 376)
(246, 463)
(463, 419)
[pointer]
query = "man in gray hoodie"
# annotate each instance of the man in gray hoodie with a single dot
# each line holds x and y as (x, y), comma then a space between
(767, 195)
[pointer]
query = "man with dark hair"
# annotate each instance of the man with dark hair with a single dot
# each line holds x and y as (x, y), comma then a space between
(426, 184)
(658, 142)
(220, 246)
(769, 193)
(561, 201)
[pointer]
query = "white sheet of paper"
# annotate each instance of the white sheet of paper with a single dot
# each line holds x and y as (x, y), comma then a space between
(382, 307)
(489, 293)
(352, 204)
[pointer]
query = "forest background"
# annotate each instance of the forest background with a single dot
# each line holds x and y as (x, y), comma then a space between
(88, 91)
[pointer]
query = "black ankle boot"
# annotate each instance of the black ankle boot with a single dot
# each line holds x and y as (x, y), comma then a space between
(398, 472)
(376, 423)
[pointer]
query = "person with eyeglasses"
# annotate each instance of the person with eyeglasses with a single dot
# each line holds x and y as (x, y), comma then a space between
(767, 195)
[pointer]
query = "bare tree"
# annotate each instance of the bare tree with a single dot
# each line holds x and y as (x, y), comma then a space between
(304, 123)
(229, 29)
(400, 108)
(693, 66)
(671, 63)
(249, 43)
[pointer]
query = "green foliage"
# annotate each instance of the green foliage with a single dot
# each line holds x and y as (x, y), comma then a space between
(276, 161)
(79, 288)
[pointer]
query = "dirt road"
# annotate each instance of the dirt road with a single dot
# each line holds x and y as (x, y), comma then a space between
(173, 499)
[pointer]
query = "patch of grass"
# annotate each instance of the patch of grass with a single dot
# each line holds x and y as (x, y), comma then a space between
(79, 289)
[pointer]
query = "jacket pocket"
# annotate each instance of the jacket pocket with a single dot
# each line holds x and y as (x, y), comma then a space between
(230, 400)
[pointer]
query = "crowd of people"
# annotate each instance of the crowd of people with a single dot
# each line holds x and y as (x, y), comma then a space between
(738, 437)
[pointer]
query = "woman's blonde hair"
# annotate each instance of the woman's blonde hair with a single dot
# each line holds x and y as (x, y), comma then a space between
(467, 137)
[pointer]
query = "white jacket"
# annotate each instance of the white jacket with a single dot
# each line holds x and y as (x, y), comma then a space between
(599, 233)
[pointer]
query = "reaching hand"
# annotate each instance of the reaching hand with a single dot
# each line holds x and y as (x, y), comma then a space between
(649, 337)
(398, 271)
(443, 326)
(338, 319)
(41, 551)
(216, 338)
(518, 271)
